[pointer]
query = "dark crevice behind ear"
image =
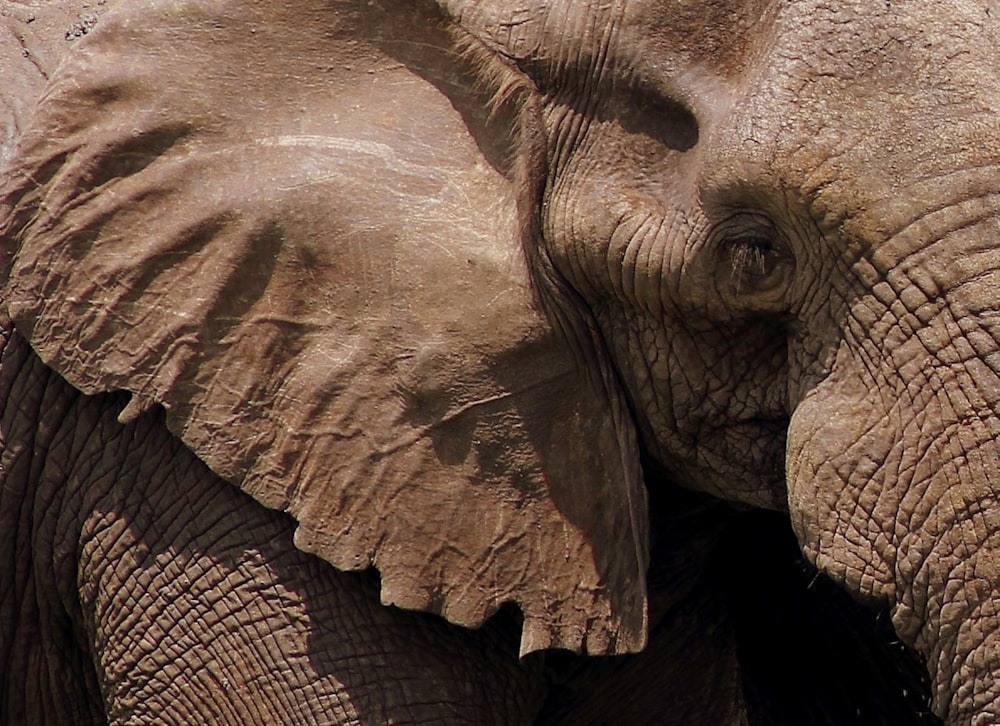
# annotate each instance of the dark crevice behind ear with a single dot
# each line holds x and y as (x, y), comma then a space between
(313, 257)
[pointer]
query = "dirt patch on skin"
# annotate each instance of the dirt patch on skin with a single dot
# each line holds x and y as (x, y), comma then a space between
(84, 24)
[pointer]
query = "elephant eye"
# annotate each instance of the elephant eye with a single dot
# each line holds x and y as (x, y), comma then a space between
(754, 265)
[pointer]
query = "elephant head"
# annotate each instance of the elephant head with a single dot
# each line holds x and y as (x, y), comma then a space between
(435, 277)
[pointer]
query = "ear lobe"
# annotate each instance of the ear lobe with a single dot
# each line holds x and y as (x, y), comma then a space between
(306, 246)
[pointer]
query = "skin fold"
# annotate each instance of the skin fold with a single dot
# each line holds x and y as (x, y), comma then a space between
(649, 347)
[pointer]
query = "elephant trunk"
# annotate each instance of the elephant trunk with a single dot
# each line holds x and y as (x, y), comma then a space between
(894, 459)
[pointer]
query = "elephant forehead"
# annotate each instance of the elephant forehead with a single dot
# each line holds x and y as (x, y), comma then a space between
(840, 95)
(627, 33)
(679, 50)
(661, 43)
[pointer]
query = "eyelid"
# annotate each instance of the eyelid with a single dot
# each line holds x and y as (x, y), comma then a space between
(744, 224)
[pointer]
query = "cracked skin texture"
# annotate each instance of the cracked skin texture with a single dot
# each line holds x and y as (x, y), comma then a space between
(579, 308)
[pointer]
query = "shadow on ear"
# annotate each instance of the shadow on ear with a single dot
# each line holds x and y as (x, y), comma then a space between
(295, 226)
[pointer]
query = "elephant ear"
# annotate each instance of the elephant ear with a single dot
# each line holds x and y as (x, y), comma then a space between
(296, 226)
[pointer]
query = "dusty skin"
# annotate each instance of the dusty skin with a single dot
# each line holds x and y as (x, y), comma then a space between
(499, 362)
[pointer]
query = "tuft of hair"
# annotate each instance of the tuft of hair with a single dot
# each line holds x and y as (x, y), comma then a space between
(497, 78)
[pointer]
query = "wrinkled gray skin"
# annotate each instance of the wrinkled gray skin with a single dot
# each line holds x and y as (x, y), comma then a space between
(814, 248)
(780, 218)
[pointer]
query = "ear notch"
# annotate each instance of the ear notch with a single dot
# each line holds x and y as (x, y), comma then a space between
(308, 248)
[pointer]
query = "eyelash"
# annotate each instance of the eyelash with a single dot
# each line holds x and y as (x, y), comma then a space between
(757, 263)
(749, 257)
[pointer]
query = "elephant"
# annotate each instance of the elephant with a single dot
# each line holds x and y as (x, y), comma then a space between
(368, 361)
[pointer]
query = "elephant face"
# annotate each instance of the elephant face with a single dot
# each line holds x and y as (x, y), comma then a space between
(392, 267)
(796, 233)
(717, 210)
(688, 301)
